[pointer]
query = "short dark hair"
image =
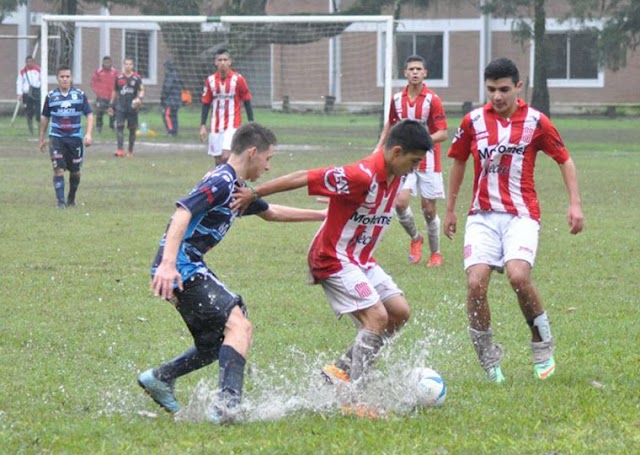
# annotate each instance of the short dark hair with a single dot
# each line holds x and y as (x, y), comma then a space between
(252, 134)
(415, 58)
(501, 68)
(106, 57)
(222, 50)
(411, 135)
(62, 68)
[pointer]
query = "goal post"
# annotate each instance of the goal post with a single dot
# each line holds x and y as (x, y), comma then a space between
(297, 62)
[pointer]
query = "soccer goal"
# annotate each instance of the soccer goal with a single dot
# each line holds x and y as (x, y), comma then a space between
(295, 63)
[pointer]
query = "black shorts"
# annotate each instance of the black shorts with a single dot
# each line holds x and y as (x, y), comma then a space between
(66, 153)
(205, 305)
(130, 116)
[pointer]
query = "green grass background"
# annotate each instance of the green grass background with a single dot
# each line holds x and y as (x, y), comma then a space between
(79, 323)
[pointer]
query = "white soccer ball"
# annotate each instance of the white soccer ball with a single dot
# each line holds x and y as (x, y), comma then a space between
(428, 386)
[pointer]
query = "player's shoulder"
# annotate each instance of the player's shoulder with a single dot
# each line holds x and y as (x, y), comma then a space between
(77, 91)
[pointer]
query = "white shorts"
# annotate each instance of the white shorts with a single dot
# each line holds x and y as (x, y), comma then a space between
(429, 184)
(494, 238)
(353, 288)
(220, 141)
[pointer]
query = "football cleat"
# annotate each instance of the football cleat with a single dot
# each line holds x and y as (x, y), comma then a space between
(544, 370)
(435, 260)
(119, 153)
(415, 250)
(361, 411)
(160, 391)
(334, 375)
(494, 374)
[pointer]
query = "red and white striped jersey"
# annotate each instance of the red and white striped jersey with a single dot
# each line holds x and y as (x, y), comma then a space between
(426, 108)
(360, 211)
(226, 97)
(504, 153)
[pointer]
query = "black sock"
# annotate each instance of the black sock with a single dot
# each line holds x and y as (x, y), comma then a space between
(231, 375)
(58, 185)
(74, 181)
(189, 361)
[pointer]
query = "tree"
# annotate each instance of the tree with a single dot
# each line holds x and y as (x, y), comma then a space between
(621, 29)
(619, 34)
(520, 11)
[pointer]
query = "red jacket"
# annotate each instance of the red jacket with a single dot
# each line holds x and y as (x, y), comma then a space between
(102, 82)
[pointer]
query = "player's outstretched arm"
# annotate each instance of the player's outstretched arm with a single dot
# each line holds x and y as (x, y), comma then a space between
(245, 195)
(575, 217)
(286, 213)
(167, 274)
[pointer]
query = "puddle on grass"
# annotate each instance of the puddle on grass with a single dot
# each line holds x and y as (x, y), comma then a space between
(277, 392)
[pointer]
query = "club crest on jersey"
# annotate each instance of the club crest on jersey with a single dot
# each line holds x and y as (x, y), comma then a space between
(335, 180)
(527, 135)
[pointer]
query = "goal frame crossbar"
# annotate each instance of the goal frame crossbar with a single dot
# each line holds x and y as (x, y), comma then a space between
(386, 20)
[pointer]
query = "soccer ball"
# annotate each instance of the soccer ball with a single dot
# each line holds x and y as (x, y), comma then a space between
(136, 103)
(428, 386)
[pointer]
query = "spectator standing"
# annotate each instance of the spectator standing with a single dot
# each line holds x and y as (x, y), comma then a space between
(101, 83)
(28, 90)
(170, 99)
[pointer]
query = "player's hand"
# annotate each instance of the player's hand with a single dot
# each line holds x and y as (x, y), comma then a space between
(88, 140)
(322, 200)
(110, 112)
(450, 224)
(164, 280)
(203, 133)
(575, 218)
(43, 145)
(242, 198)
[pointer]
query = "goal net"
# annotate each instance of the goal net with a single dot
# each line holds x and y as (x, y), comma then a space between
(295, 63)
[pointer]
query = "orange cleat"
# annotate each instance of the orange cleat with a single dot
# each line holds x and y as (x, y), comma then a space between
(334, 375)
(415, 250)
(361, 411)
(435, 260)
(119, 153)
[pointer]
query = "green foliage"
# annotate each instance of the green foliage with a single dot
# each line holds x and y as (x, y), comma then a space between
(621, 31)
(8, 6)
(79, 322)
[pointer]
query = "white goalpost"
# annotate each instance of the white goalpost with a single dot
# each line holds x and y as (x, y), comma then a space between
(290, 62)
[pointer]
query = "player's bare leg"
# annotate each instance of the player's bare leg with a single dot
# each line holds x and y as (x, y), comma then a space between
(407, 221)
(433, 231)
(479, 316)
(542, 343)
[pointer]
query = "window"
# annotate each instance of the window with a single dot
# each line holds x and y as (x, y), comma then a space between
(572, 59)
(429, 46)
(141, 44)
(137, 46)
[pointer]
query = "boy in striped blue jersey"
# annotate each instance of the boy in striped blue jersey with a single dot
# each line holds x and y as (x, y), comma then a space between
(65, 106)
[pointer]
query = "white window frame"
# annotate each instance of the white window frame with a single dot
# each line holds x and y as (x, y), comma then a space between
(555, 26)
(152, 28)
(422, 27)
